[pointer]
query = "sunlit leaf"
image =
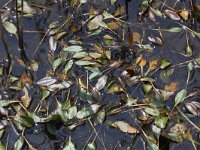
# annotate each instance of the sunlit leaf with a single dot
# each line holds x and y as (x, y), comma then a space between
(56, 63)
(97, 22)
(161, 122)
(193, 107)
(10, 27)
(46, 81)
(19, 143)
(69, 145)
(180, 97)
(101, 82)
(88, 111)
(151, 111)
(164, 63)
(172, 14)
(171, 87)
(73, 48)
(125, 127)
(91, 146)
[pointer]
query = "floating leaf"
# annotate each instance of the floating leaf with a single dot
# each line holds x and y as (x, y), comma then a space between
(151, 111)
(125, 127)
(161, 122)
(155, 40)
(172, 14)
(52, 44)
(174, 29)
(46, 81)
(68, 66)
(87, 111)
(83, 62)
(71, 112)
(73, 48)
(101, 82)
(113, 1)
(164, 63)
(26, 99)
(97, 22)
(10, 27)
(27, 121)
(69, 145)
(60, 86)
(19, 143)
(193, 107)
(184, 14)
(180, 97)
(57, 63)
(91, 146)
(172, 87)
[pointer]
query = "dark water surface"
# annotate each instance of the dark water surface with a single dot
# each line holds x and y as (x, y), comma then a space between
(108, 138)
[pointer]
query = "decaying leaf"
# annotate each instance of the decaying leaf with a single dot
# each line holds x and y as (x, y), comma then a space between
(101, 82)
(193, 107)
(171, 87)
(125, 127)
(172, 14)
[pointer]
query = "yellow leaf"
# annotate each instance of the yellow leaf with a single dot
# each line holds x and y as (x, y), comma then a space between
(136, 37)
(172, 87)
(142, 62)
(113, 25)
(153, 64)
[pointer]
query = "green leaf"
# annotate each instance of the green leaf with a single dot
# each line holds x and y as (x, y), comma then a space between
(161, 122)
(4, 103)
(164, 63)
(19, 143)
(27, 121)
(151, 111)
(69, 145)
(45, 94)
(147, 79)
(174, 29)
(180, 97)
(87, 111)
(68, 66)
(113, 1)
(71, 112)
(91, 146)
(97, 22)
(73, 48)
(197, 60)
(80, 55)
(83, 1)
(10, 27)
(2, 146)
(83, 62)
(56, 63)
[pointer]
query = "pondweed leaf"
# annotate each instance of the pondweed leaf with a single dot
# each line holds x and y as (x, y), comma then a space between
(46, 81)
(125, 127)
(57, 63)
(68, 66)
(172, 14)
(84, 62)
(69, 145)
(161, 122)
(180, 97)
(27, 121)
(91, 146)
(174, 29)
(60, 86)
(101, 82)
(73, 48)
(151, 111)
(97, 22)
(193, 107)
(2, 146)
(19, 143)
(10, 27)
(164, 63)
(88, 111)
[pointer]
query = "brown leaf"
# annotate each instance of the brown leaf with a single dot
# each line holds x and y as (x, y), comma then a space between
(193, 107)
(25, 79)
(153, 64)
(136, 37)
(172, 87)
(113, 25)
(142, 62)
(172, 14)
(26, 99)
(125, 127)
